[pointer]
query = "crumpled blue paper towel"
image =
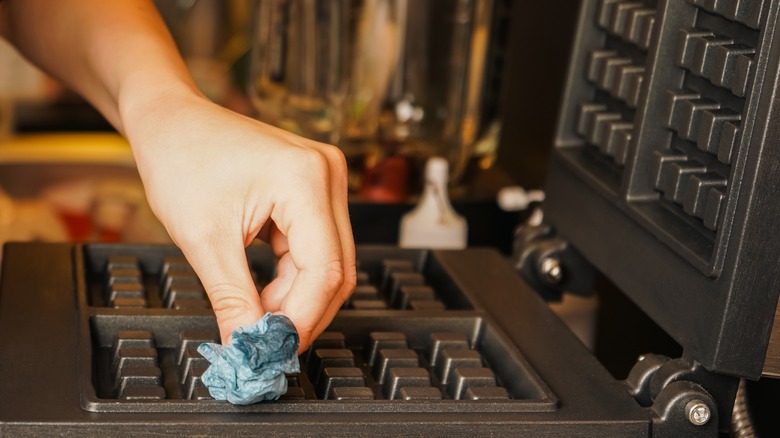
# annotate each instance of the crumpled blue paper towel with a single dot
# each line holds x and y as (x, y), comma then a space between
(253, 367)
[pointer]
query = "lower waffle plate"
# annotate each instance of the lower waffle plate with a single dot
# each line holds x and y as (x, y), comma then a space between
(100, 339)
(409, 340)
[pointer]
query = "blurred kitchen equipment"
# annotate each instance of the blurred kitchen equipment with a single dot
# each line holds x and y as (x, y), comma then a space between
(434, 223)
(379, 78)
(213, 39)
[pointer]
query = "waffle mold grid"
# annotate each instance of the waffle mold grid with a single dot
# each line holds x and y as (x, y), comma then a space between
(664, 167)
(412, 341)
(660, 104)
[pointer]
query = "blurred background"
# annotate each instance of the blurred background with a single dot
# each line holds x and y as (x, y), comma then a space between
(391, 82)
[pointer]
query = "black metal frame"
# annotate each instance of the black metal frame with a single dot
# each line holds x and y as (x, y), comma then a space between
(664, 174)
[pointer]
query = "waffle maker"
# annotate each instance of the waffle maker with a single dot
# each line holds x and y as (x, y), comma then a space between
(663, 178)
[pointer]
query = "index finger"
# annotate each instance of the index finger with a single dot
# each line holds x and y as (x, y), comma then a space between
(219, 260)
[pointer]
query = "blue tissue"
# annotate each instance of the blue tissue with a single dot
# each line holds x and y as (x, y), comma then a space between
(253, 367)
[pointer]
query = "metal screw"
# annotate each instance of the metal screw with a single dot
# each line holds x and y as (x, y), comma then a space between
(698, 412)
(551, 270)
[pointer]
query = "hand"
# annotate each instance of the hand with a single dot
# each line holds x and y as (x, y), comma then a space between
(213, 178)
(216, 180)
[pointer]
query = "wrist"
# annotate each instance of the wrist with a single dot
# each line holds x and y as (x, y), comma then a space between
(145, 106)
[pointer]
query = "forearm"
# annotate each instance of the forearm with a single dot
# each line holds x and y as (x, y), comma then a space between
(117, 54)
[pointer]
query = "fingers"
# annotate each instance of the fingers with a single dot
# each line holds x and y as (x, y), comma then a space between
(221, 264)
(340, 205)
(275, 292)
(318, 280)
(316, 250)
(339, 196)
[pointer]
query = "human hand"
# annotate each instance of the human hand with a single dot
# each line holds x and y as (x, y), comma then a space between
(213, 178)
(216, 180)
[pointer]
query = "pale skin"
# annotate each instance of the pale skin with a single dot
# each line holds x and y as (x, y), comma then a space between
(215, 179)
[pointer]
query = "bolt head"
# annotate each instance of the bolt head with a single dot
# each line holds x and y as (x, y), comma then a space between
(698, 412)
(551, 270)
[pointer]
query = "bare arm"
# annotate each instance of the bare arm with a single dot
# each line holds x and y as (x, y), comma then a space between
(118, 55)
(213, 178)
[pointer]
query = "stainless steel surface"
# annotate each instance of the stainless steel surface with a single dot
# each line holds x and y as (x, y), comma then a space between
(698, 412)
(552, 271)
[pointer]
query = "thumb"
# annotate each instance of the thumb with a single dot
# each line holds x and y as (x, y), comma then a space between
(222, 267)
